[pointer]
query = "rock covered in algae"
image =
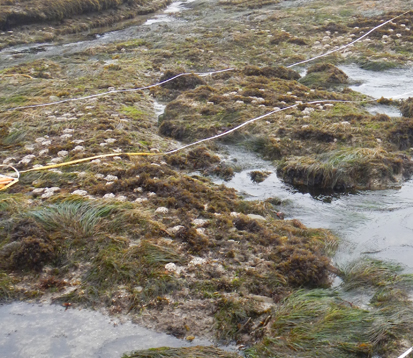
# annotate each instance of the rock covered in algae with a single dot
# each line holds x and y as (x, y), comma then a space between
(186, 352)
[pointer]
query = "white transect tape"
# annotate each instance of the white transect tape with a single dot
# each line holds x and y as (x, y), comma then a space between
(405, 354)
(258, 118)
(349, 44)
(202, 74)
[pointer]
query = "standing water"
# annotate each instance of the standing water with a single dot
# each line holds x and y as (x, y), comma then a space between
(377, 224)
(52, 332)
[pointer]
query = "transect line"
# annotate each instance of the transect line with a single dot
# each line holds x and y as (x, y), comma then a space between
(201, 74)
(258, 118)
(405, 354)
(11, 180)
(349, 44)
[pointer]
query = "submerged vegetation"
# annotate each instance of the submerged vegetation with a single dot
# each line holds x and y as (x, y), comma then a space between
(153, 238)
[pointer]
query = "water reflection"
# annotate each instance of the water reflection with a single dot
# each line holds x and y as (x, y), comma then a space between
(374, 223)
(34, 331)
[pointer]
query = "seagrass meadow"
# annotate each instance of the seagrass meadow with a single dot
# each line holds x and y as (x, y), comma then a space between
(153, 239)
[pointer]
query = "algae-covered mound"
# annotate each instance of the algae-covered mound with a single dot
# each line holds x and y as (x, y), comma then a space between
(274, 72)
(13, 13)
(358, 168)
(190, 352)
(324, 75)
(407, 108)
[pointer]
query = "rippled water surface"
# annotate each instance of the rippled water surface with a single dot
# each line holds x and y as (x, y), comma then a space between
(374, 223)
(50, 331)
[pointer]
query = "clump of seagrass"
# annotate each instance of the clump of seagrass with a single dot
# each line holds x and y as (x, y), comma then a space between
(407, 108)
(186, 352)
(324, 75)
(346, 169)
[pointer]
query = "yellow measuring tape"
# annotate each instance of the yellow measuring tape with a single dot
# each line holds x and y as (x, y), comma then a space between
(7, 181)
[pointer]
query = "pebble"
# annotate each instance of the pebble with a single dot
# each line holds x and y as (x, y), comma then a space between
(161, 210)
(78, 148)
(62, 153)
(96, 161)
(141, 200)
(80, 192)
(78, 141)
(9, 160)
(56, 160)
(122, 198)
(66, 136)
(151, 194)
(256, 217)
(109, 196)
(48, 192)
(29, 147)
(27, 159)
(199, 222)
(175, 229)
(197, 261)
(46, 142)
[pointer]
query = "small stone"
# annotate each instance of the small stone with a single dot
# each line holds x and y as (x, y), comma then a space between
(199, 222)
(171, 267)
(109, 196)
(43, 152)
(62, 153)
(111, 177)
(110, 140)
(56, 160)
(38, 190)
(48, 192)
(140, 200)
(27, 159)
(103, 144)
(257, 217)
(78, 141)
(109, 182)
(161, 210)
(151, 194)
(234, 214)
(82, 175)
(96, 161)
(175, 229)
(138, 190)
(40, 139)
(122, 198)
(9, 160)
(66, 136)
(78, 148)
(197, 261)
(200, 230)
(68, 130)
(46, 142)
(30, 148)
(80, 192)
(378, 140)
